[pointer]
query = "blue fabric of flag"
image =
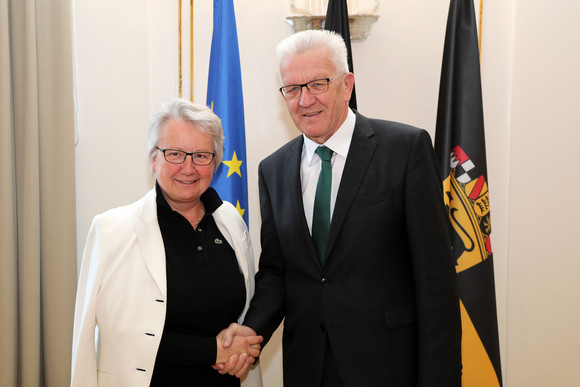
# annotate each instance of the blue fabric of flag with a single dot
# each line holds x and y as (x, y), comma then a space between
(225, 97)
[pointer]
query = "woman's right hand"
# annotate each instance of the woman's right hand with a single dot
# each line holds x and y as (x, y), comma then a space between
(240, 344)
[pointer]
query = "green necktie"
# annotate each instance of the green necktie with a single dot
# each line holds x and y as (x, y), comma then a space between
(321, 215)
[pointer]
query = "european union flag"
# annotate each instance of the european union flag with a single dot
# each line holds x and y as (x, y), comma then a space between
(224, 96)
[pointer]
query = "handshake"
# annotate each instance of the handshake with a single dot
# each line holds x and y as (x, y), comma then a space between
(238, 346)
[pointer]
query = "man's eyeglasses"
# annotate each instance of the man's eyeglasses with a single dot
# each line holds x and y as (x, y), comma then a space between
(317, 86)
(175, 156)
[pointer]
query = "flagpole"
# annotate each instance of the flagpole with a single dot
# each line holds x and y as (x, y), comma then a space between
(179, 53)
(191, 50)
(480, 27)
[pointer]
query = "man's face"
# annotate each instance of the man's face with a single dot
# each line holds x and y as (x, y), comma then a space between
(317, 116)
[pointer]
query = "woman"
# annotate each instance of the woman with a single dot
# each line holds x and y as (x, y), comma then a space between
(161, 277)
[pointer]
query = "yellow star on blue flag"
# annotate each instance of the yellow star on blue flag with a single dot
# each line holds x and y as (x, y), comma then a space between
(240, 209)
(234, 164)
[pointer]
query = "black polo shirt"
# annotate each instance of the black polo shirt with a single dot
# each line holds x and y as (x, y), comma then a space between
(205, 293)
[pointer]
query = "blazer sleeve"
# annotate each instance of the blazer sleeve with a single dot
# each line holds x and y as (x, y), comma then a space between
(84, 351)
(439, 324)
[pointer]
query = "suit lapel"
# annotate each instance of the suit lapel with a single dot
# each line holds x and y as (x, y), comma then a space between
(361, 151)
(293, 186)
(151, 241)
(289, 202)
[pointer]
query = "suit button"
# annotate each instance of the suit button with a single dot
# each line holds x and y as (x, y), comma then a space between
(324, 282)
(322, 327)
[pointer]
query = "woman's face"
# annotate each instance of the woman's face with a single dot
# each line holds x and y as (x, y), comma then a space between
(182, 184)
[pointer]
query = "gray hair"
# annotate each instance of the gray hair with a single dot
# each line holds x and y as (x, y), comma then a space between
(200, 116)
(309, 40)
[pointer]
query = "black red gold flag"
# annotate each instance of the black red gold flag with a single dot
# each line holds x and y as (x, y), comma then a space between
(460, 147)
(337, 21)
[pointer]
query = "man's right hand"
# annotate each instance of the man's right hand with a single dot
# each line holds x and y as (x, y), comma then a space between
(238, 364)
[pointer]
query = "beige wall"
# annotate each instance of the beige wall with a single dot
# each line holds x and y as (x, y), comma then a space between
(543, 342)
(126, 64)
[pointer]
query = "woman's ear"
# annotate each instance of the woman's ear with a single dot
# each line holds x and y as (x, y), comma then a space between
(154, 162)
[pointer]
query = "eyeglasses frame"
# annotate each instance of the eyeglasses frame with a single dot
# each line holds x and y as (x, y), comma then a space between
(186, 154)
(329, 80)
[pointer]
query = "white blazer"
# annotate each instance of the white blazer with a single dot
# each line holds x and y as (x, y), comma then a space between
(120, 306)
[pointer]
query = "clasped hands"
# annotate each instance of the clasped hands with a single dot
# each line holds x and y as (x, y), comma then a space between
(238, 346)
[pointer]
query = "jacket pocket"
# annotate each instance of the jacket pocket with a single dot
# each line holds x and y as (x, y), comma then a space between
(398, 317)
(388, 195)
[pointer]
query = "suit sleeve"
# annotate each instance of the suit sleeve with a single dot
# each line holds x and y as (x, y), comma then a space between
(268, 303)
(439, 325)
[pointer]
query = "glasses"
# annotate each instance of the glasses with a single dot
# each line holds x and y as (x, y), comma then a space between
(317, 86)
(175, 156)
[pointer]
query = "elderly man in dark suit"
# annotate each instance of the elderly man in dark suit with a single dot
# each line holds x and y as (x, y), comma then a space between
(355, 247)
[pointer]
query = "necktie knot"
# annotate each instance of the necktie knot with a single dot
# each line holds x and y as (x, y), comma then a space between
(324, 153)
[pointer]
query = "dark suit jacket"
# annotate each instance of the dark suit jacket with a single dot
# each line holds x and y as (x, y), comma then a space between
(387, 294)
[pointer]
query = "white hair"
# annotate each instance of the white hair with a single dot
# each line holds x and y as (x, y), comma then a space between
(309, 40)
(200, 116)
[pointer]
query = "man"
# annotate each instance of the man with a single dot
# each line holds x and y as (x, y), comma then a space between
(375, 303)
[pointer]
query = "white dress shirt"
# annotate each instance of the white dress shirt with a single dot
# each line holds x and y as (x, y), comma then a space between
(310, 165)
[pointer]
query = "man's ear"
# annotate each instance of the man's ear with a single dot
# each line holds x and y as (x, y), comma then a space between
(348, 85)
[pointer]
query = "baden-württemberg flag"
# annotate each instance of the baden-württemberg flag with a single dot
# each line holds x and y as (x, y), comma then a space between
(224, 96)
(460, 146)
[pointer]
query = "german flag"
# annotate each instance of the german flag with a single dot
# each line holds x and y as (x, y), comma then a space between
(460, 147)
(337, 20)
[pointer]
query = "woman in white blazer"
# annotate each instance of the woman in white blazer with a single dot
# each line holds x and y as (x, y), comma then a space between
(151, 297)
